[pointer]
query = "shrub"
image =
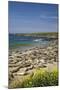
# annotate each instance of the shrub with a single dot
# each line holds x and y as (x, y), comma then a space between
(40, 78)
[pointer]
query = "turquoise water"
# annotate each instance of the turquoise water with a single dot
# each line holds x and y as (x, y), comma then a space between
(26, 41)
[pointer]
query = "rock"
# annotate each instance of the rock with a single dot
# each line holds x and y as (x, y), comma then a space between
(18, 59)
(22, 71)
(55, 59)
(13, 65)
(42, 60)
(45, 52)
(14, 61)
(20, 74)
(41, 65)
(36, 66)
(36, 61)
(10, 76)
(10, 54)
(24, 62)
(11, 60)
(27, 64)
(18, 56)
(29, 68)
(32, 57)
(49, 48)
(51, 61)
(11, 57)
(14, 69)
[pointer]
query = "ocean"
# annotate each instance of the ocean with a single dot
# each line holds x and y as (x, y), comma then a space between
(26, 41)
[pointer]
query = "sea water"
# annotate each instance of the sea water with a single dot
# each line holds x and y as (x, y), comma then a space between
(16, 41)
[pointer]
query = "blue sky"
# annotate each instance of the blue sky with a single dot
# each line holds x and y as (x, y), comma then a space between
(32, 17)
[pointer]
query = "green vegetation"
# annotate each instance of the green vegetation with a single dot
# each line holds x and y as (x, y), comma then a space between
(39, 34)
(40, 78)
(18, 45)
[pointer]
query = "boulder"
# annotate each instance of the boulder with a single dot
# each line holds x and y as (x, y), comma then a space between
(10, 76)
(30, 67)
(41, 65)
(22, 71)
(42, 60)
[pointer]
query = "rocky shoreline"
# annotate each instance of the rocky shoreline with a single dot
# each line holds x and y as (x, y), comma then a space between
(25, 62)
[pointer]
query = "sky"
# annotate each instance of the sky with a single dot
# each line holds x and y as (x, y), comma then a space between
(32, 17)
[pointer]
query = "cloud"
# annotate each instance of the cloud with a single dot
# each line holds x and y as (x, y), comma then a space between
(48, 17)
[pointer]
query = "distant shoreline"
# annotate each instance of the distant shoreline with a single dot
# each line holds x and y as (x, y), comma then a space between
(38, 34)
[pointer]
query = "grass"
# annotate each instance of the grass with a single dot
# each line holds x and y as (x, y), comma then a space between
(38, 33)
(40, 78)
